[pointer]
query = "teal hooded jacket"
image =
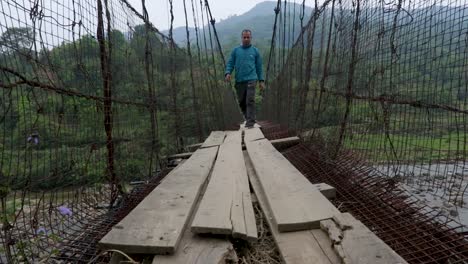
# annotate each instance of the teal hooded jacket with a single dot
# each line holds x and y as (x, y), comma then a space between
(247, 62)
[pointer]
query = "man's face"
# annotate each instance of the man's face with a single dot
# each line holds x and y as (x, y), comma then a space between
(246, 38)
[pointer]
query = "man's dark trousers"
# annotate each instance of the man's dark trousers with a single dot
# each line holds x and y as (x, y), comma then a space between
(246, 97)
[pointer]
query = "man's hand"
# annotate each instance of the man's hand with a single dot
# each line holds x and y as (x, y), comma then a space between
(262, 86)
(228, 77)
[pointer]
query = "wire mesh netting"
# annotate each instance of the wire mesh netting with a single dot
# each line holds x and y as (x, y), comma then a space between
(378, 90)
(93, 98)
(385, 79)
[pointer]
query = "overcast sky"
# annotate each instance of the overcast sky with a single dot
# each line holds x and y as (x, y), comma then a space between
(158, 10)
(17, 13)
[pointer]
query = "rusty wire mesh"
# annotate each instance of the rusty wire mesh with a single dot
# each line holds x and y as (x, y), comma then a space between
(93, 97)
(385, 79)
(418, 233)
(378, 91)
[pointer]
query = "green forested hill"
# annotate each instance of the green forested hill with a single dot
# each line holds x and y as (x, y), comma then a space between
(259, 19)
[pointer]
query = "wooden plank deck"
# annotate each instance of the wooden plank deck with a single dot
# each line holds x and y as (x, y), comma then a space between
(306, 227)
(157, 224)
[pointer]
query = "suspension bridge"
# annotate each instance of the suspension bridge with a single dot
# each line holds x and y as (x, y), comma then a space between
(122, 143)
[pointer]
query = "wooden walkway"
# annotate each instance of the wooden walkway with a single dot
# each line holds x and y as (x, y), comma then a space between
(207, 199)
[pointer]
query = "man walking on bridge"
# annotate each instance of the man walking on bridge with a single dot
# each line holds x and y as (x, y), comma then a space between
(247, 62)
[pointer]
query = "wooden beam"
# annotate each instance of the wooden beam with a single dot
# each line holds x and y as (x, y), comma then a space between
(135, 183)
(180, 156)
(216, 138)
(226, 207)
(156, 225)
(294, 202)
(309, 246)
(327, 190)
(285, 141)
(193, 147)
(356, 244)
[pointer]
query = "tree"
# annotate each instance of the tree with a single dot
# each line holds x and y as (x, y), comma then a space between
(16, 39)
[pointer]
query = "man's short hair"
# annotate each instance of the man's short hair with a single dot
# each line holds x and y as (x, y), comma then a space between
(246, 31)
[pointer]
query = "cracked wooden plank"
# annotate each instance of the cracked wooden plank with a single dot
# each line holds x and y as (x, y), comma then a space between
(325, 244)
(156, 225)
(224, 208)
(249, 215)
(334, 232)
(356, 244)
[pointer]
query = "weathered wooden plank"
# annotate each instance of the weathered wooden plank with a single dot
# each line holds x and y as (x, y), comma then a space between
(195, 249)
(328, 191)
(246, 216)
(227, 200)
(253, 134)
(249, 215)
(214, 214)
(199, 250)
(156, 225)
(326, 245)
(356, 244)
(240, 186)
(333, 231)
(239, 229)
(216, 138)
(233, 137)
(294, 202)
(295, 247)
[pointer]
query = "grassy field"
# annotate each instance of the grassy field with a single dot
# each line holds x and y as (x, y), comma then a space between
(409, 147)
(378, 147)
